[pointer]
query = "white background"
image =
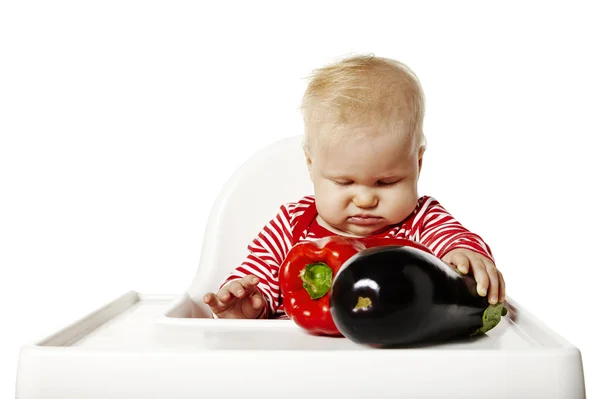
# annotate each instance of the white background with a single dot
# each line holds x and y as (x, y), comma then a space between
(120, 120)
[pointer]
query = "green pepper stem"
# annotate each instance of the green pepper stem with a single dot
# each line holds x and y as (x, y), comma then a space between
(316, 279)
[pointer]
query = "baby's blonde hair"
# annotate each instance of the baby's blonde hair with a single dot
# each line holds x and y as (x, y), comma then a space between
(364, 89)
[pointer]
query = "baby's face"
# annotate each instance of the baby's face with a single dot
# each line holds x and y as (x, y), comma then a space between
(366, 183)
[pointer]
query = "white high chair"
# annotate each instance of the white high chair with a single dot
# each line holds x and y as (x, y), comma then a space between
(168, 346)
(252, 196)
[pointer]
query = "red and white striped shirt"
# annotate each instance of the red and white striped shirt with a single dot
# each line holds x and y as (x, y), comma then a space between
(429, 224)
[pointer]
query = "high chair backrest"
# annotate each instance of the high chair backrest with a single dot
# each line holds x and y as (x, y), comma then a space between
(249, 199)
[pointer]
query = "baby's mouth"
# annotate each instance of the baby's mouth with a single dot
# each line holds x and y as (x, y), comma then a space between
(365, 220)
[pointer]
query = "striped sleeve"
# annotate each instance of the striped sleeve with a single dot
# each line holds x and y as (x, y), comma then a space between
(437, 229)
(266, 254)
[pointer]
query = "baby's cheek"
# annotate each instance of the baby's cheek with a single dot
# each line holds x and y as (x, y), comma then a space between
(331, 207)
(401, 204)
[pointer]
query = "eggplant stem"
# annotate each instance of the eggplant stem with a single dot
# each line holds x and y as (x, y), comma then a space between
(490, 318)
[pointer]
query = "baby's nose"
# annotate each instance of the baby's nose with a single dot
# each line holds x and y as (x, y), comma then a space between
(365, 201)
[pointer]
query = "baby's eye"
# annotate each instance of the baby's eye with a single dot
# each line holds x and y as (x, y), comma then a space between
(342, 182)
(387, 183)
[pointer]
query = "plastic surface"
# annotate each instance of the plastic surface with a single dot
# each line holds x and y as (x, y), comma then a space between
(121, 351)
(168, 346)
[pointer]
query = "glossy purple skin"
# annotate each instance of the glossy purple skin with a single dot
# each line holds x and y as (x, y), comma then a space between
(409, 297)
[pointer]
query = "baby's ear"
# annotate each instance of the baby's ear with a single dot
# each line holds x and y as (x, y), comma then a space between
(308, 159)
(308, 163)
(421, 152)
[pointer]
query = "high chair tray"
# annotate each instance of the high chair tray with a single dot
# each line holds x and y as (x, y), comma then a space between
(152, 346)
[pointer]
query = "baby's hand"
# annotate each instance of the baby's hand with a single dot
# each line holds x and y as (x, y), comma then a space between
(238, 299)
(489, 279)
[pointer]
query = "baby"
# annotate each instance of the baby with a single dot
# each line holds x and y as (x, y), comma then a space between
(364, 147)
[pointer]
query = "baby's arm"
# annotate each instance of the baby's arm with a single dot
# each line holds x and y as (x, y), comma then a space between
(460, 248)
(257, 275)
(437, 229)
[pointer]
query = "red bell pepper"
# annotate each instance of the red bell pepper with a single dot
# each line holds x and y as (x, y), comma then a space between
(307, 272)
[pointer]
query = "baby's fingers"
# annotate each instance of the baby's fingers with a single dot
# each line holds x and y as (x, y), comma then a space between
(257, 300)
(458, 261)
(494, 284)
(502, 288)
(462, 263)
(481, 276)
(240, 288)
(213, 301)
(253, 305)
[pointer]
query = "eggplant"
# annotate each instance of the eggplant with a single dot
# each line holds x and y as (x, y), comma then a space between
(393, 296)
